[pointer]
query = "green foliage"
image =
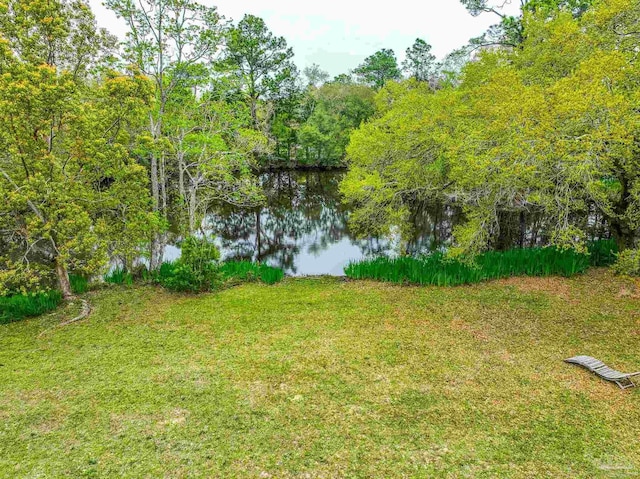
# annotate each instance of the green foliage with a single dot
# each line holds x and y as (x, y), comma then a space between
(118, 276)
(260, 60)
(196, 271)
(339, 108)
(379, 68)
(549, 128)
(17, 307)
(436, 269)
(628, 263)
(79, 284)
(71, 189)
(248, 271)
(420, 63)
(602, 252)
(185, 278)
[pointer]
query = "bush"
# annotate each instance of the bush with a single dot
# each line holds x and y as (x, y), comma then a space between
(248, 271)
(16, 307)
(187, 279)
(197, 269)
(627, 263)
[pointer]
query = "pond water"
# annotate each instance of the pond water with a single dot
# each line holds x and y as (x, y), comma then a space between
(303, 227)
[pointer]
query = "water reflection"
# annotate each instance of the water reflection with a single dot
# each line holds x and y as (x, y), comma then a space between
(302, 228)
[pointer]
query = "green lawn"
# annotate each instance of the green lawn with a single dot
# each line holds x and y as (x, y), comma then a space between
(323, 378)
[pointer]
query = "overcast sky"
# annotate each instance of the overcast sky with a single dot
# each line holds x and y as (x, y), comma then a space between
(339, 34)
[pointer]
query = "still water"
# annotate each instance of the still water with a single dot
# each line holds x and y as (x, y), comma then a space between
(303, 227)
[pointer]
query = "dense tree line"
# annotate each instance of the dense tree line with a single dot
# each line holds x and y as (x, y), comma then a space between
(543, 124)
(106, 143)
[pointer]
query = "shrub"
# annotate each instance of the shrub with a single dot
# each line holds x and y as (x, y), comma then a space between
(16, 307)
(628, 263)
(248, 271)
(187, 279)
(197, 269)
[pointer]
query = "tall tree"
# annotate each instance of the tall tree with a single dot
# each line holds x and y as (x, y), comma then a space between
(71, 190)
(420, 63)
(261, 61)
(379, 68)
(166, 39)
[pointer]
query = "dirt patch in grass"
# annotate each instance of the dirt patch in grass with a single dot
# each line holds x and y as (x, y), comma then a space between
(554, 286)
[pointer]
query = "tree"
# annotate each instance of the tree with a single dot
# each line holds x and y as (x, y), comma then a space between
(166, 39)
(214, 148)
(71, 190)
(547, 129)
(420, 63)
(339, 109)
(510, 30)
(316, 76)
(260, 60)
(379, 68)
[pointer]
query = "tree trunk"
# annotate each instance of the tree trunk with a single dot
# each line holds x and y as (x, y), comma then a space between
(163, 185)
(625, 236)
(192, 209)
(63, 280)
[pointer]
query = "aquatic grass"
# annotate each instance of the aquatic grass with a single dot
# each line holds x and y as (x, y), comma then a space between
(436, 269)
(603, 252)
(248, 271)
(79, 284)
(20, 306)
(119, 276)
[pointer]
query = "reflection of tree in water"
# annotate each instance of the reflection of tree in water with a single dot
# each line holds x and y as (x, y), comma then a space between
(303, 210)
(303, 215)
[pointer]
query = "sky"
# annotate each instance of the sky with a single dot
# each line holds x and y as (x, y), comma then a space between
(339, 34)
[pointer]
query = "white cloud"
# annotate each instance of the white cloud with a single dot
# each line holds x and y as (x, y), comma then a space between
(339, 34)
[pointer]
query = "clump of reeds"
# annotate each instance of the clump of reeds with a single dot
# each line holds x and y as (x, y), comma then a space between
(436, 269)
(248, 271)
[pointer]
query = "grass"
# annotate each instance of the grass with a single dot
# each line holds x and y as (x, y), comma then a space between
(20, 306)
(435, 269)
(118, 276)
(248, 271)
(327, 378)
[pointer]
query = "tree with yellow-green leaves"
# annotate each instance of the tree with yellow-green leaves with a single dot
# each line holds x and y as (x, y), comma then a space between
(72, 194)
(549, 128)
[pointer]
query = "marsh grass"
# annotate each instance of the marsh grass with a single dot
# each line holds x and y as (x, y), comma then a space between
(119, 276)
(79, 284)
(20, 306)
(436, 269)
(248, 271)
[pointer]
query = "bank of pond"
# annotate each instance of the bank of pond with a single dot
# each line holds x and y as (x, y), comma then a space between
(434, 269)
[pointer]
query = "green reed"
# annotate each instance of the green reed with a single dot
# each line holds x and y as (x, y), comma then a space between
(436, 269)
(248, 271)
